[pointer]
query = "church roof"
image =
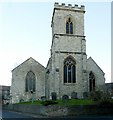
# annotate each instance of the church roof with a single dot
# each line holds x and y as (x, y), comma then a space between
(4, 88)
(90, 58)
(26, 61)
(109, 85)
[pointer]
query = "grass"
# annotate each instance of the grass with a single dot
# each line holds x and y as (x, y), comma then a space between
(38, 102)
(70, 102)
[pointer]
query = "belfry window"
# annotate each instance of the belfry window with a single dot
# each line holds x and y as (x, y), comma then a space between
(69, 71)
(69, 26)
(30, 81)
(91, 81)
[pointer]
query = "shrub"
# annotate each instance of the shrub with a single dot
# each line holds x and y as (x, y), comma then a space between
(99, 96)
(95, 95)
(106, 102)
(49, 102)
(106, 96)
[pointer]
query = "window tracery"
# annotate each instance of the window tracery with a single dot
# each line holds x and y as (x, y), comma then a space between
(30, 81)
(69, 71)
(91, 81)
(69, 26)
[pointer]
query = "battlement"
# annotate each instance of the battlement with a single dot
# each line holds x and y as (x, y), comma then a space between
(69, 6)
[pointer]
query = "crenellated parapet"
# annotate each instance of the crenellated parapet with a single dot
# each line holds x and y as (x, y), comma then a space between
(69, 6)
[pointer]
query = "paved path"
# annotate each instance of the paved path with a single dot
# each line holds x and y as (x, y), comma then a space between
(10, 115)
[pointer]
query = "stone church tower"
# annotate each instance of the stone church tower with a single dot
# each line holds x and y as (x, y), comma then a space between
(67, 65)
(68, 72)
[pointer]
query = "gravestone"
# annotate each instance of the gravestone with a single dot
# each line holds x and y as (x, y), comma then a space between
(54, 96)
(85, 95)
(73, 95)
(43, 98)
(65, 97)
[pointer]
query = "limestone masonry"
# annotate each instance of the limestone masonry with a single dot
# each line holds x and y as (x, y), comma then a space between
(68, 72)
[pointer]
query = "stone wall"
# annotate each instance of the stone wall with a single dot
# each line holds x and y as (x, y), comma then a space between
(65, 45)
(98, 73)
(60, 14)
(55, 111)
(38, 110)
(19, 77)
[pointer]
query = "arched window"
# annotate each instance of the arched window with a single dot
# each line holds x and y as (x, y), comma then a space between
(69, 71)
(91, 81)
(30, 81)
(69, 26)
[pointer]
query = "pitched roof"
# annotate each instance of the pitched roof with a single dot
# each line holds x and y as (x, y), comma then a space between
(90, 58)
(26, 61)
(4, 88)
(109, 85)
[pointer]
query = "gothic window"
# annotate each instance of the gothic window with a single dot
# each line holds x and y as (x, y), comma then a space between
(91, 81)
(69, 26)
(30, 81)
(69, 71)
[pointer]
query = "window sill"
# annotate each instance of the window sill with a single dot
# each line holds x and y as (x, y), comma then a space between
(69, 84)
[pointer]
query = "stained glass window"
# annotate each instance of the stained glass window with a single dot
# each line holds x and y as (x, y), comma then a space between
(30, 81)
(91, 81)
(69, 71)
(69, 26)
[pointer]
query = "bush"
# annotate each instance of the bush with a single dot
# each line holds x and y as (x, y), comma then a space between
(95, 95)
(49, 102)
(106, 102)
(99, 96)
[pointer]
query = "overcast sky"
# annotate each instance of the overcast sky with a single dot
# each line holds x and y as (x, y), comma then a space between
(25, 31)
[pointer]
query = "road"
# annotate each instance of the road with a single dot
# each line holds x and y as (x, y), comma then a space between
(10, 115)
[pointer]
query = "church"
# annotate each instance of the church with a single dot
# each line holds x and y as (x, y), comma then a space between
(68, 72)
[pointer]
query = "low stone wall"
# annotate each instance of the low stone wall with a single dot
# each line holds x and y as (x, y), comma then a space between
(39, 109)
(90, 110)
(54, 110)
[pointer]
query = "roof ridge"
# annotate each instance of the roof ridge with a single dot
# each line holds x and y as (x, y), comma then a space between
(26, 61)
(96, 63)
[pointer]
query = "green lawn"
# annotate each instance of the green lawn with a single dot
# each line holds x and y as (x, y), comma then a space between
(76, 102)
(70, 102)
(30, 103)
